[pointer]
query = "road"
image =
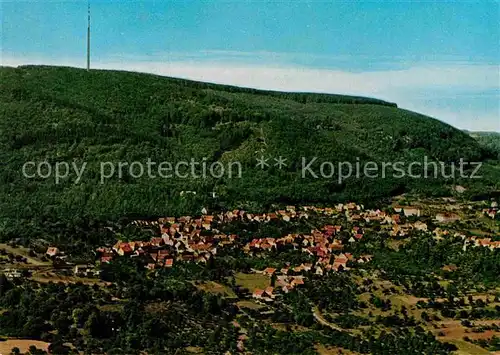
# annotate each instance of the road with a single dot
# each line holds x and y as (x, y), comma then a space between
(317, 315)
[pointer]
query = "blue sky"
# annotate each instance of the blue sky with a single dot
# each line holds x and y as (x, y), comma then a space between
(439, 58)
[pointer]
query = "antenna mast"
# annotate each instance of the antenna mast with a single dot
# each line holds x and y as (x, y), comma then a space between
(88, 36)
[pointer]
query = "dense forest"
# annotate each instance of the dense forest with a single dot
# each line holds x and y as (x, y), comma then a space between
(59, 114)
(489, 140)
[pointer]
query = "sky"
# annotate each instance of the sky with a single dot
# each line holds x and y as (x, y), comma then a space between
(440, 58)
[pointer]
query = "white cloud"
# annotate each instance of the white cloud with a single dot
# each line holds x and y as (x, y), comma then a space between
(415, 87)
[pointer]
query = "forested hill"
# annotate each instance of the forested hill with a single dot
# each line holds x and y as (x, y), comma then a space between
(70, 115)
(489, 140)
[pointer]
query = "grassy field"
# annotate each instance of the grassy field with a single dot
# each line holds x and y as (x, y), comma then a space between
(216, 288)
(449, 330)
(22, 344)
(52, 277)
(465, 348)
(25, 253)
(324, 350)
(249, 304)
(252, 281)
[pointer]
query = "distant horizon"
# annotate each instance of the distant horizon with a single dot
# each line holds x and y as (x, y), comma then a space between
(438, 59)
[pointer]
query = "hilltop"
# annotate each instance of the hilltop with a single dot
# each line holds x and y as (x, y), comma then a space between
(70, 115)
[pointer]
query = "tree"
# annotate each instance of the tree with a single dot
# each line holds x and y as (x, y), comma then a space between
(78, 316)
(5, 285)
(425, 317)
(62, 324)
(59, 348)
(273, 279)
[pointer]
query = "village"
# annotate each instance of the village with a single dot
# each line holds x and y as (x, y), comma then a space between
(197, 239)
(326, 239)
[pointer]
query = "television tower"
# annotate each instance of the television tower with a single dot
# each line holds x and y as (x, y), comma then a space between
(88, 36)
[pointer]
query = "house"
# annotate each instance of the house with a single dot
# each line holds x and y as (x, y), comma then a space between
(240, 345)
(155, 242)
(282, 280)
(52, 251)
(460, 189)
(206, 224)
(271, 216)
(258, 293)
(329, 210)
(447, 217)
(83, 270)
(411, 211)
(269, 271)
(12, 273)
(484, 242)
(490, 213)
(162, 254)
(169, 262)
(117, 245)
(124, 249)
(449, 268)
(495, 245)
(336, 244)
(296, 281)
(342, 258)
(201, 259)
(170, 220)
(421, 226)
(106, 259)
(184, 219)
(394, 219)
(303, 215)
(338, 266)
(364, 259)
(306, 266)
(352, 206)
(269, 292)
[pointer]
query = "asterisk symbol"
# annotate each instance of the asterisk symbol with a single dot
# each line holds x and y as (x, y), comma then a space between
(262, 163)
(280, 162)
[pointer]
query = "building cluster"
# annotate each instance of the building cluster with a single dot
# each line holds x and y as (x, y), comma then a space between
(484, 242)
(197, 239)
(492, 210)
(291, 277)
(178, 242)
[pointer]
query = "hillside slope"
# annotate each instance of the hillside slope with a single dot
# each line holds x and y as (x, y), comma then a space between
(69, 115)
(489, 140)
